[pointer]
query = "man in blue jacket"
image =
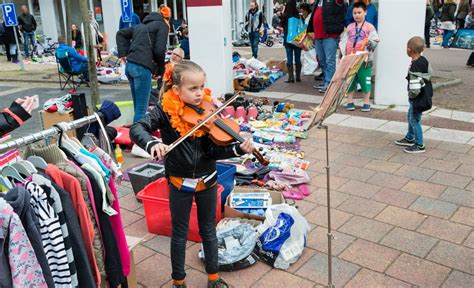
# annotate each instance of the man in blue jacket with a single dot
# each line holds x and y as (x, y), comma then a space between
(78, 62)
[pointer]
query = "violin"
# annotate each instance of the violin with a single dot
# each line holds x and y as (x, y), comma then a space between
(222, 131)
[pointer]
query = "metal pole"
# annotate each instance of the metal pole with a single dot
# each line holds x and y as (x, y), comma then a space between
(22, 65)
(330, 236)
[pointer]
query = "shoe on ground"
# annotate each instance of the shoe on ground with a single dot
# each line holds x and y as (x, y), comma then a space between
(320, 86)
(181, 285)
(137, 151)
(415, 149)
(323, 89)
(350, 107)
(218, 283)
(365, 108)
(319, 77)
(405, 142)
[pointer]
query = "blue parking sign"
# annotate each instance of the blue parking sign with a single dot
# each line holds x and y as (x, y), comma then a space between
(127, 8)
(9, 14)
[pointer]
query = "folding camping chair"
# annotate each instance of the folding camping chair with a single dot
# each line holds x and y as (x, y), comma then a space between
(67, 77)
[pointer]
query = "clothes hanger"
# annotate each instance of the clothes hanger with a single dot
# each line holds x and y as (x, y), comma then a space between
(30, 167)
(88, 142)
(9, 171)
(21, 169)
(38, 162)
(5, 183)
(76, 141)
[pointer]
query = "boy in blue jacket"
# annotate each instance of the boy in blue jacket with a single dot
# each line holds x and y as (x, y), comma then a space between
(371, 17)
(78, 62)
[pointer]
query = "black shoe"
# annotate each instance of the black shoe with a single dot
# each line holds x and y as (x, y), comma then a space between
(219, 283)
(320, 77)
(405, 142)
(415, 149)
(182, 285)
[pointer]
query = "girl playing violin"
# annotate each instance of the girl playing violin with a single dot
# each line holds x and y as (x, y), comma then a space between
(190, 167)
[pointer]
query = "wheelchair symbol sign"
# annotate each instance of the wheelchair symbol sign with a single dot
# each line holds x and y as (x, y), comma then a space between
(126, 11)
(9, 14)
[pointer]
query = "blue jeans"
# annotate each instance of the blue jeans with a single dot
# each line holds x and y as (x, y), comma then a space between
(28, 36)
(415, 132)
(139, 78)
(447, 34)
(326, 51)
(290, 50)
(254, 38)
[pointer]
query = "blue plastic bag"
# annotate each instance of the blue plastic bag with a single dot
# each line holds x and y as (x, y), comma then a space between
(296, 31)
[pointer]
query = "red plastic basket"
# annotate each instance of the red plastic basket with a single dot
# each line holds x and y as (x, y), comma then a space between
(155, 197)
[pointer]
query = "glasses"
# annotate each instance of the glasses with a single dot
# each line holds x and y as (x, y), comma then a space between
(177, 55)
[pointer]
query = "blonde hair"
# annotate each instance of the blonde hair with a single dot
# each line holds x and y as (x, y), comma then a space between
(416, 44)
(178, 71)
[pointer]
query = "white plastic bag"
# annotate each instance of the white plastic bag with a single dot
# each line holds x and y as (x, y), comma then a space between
(282, 237)
(254, 64)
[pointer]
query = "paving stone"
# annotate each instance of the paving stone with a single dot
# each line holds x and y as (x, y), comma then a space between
(368, 278)
(375, 153)
(360, 189)
(304, 207)
(352, 160)
(433, 207)
(470, 241)
(465, 170)
(409, 242)
(362, 207)
(370, 255)
(460, 280)
(362, 122)
(316, 270)
(454, 147)
(470, 187)
(141, 253)
(408, 159)
(123, 191)
(424, 188)
(352, 149)
(400, 217)
(192, 259)
(388, 180)
(454, 256)
(307, 254)
(395, 197)
(435, 153)
(336, 118)
(246, 277)
(318, 240)
(319, 196)
(130, 203)
(367, 229)
(455, 136)
(458, 196)
(139, 229)
(441, 165)
(415, 172)
(319, 217)
(356, 173)
(279, 278)
(304, 98)
(152, 275)
(321, 181)
(383, 166)
(464, 215)
(161, 244)
(417, 271)
(460, 158)
(444, 229)
(129, 217)
(321, 155)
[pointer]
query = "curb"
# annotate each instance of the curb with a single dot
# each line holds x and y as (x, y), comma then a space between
(29, 80)
(449, 83)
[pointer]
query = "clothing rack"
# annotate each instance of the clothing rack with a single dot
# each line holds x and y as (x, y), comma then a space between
(23, 141)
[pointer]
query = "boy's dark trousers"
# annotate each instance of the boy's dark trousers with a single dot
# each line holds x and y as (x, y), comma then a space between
(180, 206)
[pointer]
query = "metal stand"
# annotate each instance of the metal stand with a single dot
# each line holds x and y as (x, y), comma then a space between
(330, 236)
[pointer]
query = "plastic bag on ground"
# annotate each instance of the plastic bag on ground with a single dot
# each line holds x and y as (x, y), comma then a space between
(282, 237)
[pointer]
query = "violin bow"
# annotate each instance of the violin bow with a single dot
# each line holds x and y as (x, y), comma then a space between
(195, 128)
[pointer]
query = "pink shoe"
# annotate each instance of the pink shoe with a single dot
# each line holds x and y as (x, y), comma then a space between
(252, 113)
(295, 195)
(304, 189)
(229, 111)
(240, 113)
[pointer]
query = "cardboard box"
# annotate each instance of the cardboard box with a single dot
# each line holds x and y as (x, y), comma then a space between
(277, 198)
(279, 64)
(49, 119)
(132, 276)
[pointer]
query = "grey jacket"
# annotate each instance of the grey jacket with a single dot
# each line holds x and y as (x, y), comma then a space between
(19, 199)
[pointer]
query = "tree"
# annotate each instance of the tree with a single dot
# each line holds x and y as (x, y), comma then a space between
(89, 45)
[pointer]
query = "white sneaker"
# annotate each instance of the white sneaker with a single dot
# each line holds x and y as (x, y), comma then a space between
(137, 151)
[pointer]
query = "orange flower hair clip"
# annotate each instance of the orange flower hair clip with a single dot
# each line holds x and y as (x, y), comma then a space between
(168, 76)
(165, 11)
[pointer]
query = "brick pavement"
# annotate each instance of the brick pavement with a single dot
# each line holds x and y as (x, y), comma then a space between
(398, 221)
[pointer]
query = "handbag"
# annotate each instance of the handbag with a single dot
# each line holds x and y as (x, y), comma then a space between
(307, 43)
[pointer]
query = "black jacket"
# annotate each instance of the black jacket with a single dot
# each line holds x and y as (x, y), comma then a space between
(334, 12)
(9, 37)
(78, 39)
(423, 101)
(447, 14)
(27, 23)
(193, 158)
(8, 123)
(145, 44)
